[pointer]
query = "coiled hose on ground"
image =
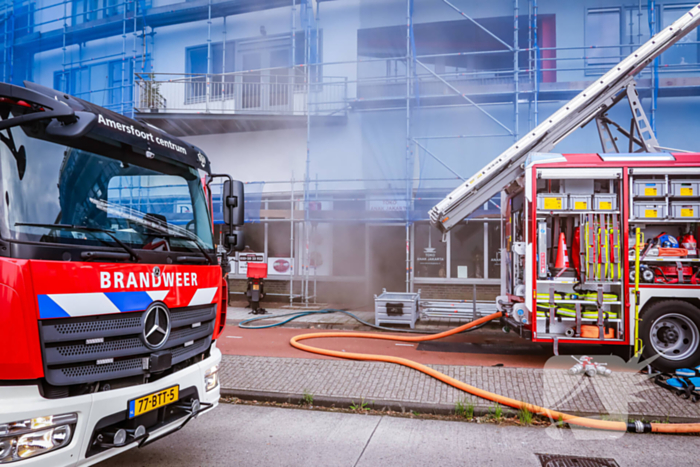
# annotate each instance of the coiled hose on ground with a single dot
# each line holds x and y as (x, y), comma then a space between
(634, 427)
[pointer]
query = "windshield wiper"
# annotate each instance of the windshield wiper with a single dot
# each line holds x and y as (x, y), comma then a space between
(132, 254)
(167, 233)
(150, 222)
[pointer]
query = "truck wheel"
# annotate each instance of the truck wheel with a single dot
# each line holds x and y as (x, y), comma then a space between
(671, 328)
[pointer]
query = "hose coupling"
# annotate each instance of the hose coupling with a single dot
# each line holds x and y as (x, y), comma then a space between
(638, 427)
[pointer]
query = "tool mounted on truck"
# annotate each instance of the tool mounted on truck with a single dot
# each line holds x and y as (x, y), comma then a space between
(598, 206)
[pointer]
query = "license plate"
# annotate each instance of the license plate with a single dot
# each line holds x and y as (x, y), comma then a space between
(153, 401)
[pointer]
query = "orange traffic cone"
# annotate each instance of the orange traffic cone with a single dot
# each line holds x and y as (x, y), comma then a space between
(562, 256)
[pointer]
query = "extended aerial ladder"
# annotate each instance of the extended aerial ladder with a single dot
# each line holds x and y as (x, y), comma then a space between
(592, 103)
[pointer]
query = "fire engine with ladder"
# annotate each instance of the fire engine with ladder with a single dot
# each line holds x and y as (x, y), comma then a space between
(598, 248)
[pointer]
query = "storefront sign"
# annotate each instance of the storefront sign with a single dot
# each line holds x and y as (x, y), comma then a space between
(388, 205)
(244, 258)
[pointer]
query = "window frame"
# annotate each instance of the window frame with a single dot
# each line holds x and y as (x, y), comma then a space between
(668, 68)
(595, 68)
(487, 280)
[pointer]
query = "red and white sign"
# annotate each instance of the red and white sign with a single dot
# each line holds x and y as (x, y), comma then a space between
(279, 266)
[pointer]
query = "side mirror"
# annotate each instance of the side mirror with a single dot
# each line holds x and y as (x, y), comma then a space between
(235, 240)
(233, 203)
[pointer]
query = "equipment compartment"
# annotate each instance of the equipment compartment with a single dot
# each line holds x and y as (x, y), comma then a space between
(649, 188)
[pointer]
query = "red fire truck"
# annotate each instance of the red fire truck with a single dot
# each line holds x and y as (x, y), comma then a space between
(598, 248)
(111, 293)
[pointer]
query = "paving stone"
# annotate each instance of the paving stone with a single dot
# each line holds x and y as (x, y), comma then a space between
(618, 394)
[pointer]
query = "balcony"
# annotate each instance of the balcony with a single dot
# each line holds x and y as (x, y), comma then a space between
(187, 105)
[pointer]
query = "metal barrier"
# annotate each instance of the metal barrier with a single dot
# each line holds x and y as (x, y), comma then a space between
(463, 310)
(259, 92)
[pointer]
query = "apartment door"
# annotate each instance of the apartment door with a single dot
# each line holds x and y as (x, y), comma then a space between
(386, 259)
(266, 79)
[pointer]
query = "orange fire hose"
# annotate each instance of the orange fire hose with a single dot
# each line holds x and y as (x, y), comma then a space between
(638, 427)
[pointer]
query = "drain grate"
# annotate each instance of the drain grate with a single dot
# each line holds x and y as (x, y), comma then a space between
(556, 460)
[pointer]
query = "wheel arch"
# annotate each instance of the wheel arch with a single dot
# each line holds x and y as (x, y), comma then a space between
(695, 301)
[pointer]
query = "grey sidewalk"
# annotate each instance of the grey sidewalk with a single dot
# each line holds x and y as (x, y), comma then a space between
(399, 388)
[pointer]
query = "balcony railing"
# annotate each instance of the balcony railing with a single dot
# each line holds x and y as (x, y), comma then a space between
(265, 92)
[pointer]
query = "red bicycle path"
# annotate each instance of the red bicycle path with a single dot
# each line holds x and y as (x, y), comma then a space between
(274, 342)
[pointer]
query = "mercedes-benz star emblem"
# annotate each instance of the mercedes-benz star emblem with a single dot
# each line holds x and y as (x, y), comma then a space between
(156, 326)
(156, 272)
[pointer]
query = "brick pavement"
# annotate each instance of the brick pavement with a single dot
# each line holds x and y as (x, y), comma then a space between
(388, 385)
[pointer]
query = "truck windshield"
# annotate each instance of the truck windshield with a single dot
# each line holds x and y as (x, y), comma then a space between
(46, 184)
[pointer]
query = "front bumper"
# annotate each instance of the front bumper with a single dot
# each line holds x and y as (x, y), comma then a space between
(24, 402)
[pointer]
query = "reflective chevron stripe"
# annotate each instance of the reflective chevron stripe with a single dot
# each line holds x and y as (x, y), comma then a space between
(89, 304)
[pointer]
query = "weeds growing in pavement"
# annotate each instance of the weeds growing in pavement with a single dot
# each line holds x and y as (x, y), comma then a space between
(464, 409)
(361, 406)
(560, 422)
(497, 411)
(307, 398)
(525, 416)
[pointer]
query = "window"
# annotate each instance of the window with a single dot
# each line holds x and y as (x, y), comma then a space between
(278, 240)
(454, 37)
(101, 83)
(685, 51)
(602, 35)
(429, 251)
(91, 10)
(636, 27)
(119, 84)
(223, 60)
(254, 237)
(467, 250)
(24, 19)
(494, 249)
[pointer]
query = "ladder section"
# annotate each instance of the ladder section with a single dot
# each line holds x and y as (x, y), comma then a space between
(589, 104)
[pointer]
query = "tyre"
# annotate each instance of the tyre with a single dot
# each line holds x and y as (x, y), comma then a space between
(671, 329)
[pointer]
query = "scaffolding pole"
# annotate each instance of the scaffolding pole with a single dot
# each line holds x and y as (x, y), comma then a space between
(516, 73)
(123, 75)
(409, 185)
(291, 244)
(536, 49)
(654, 69)
(305, 232)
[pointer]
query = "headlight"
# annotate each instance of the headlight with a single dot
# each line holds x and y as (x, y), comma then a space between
(211, 378)
(32, 437)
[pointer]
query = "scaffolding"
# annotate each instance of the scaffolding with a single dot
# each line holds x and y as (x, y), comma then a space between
(420, 87)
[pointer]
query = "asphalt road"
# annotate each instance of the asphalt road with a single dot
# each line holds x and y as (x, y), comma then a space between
(249, 435)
